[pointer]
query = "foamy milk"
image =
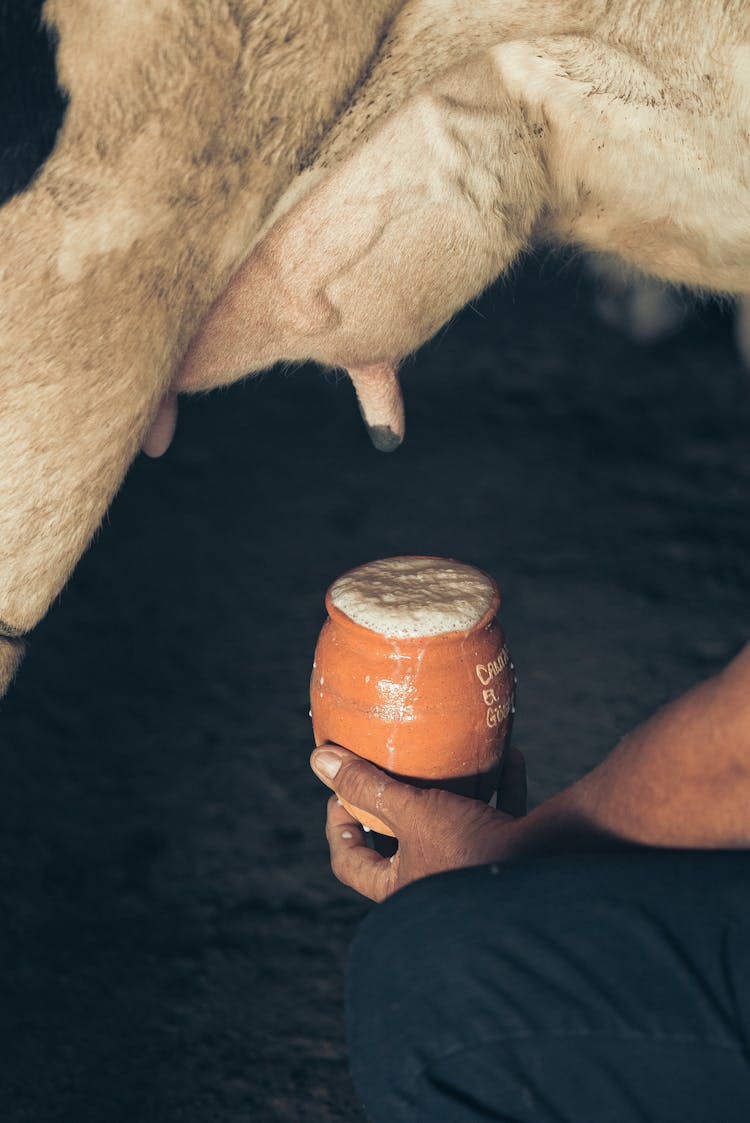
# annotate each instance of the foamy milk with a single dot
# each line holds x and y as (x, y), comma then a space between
(411, 596)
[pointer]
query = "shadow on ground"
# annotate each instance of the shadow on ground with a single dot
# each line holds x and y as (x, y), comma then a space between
(173, 944)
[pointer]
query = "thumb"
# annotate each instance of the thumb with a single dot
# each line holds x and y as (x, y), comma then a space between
(365, 785)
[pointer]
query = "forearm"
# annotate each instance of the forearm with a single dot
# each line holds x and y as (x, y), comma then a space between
(681, 779)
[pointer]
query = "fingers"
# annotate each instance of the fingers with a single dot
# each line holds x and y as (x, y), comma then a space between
(511, 795)
(363, 785)
(436, 829)
(352, 862)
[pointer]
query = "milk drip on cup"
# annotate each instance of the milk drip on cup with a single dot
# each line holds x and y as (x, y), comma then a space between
(412, 672)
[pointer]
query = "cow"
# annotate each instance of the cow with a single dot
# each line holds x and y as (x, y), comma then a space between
(237, 182)
(648, 310)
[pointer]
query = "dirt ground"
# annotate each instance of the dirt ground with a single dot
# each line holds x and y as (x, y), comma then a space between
(173, 945)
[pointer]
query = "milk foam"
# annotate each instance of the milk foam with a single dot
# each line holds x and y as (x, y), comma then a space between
(411, 596)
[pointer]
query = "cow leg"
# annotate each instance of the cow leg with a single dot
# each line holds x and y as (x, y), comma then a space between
(11, 653)
(175, 146)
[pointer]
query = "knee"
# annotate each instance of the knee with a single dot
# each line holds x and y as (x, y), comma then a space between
(451, 930)
(541, 949)
(494, 952)
(424, 972)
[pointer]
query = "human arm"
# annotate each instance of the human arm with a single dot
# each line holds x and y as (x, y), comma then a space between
(681, 779)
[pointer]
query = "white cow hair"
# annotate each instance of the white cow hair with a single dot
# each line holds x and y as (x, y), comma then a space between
(195, 127)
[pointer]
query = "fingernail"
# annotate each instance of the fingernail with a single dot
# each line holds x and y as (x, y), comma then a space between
(326, 762)
(347, 834)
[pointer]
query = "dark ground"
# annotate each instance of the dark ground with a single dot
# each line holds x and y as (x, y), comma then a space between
(172, 944)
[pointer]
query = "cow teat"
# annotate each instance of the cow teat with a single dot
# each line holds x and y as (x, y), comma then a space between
(380, 403)
(160, 432)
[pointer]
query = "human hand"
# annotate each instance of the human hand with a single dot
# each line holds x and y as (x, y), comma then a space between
(436, 830)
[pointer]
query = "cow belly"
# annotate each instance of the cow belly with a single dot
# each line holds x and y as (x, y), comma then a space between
(636, 167)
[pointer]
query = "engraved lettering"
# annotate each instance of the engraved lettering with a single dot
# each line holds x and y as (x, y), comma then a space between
(487, 671)
(497, 714)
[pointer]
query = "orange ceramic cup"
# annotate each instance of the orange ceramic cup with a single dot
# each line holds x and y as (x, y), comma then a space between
(434, 710)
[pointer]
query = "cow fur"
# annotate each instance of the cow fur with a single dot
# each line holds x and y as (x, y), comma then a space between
(561, 138)
(185, 122)
(206, 139)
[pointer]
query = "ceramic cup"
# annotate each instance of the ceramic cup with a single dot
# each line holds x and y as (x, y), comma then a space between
(434, 710)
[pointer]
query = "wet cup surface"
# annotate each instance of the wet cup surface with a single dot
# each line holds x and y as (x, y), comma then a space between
(412, 672)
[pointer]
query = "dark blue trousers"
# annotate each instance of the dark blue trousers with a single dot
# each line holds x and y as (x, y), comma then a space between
(610, 988)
